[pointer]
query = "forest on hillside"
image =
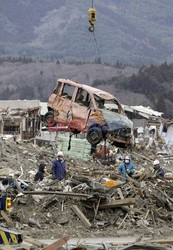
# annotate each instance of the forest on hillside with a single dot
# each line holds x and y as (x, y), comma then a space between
(27, 78)
(155, 82)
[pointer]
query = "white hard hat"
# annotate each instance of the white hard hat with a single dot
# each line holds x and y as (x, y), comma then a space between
(156, 162)
(60, 153)
(127, 157)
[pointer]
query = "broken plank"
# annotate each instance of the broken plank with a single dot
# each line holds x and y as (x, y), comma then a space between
(161, 241)
(33, 241)
(7, 219)
(57, 244)
(56, 193)
(143, 157)
(26, 246)
(82, 217)
(118, 203)
(125, 208)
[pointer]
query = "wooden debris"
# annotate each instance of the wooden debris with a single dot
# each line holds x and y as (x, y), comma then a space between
(56, 193)
(147, 213)
(118, 203)
(125, 208)
(6, 248)
(123, 221)
(26, 246)
(57, 244)
(34, 242)
(143, 157)
(82, 217)
(162, 241)
(7, 219)
(96, 209)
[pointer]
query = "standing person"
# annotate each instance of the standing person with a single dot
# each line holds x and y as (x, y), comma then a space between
(126, 168)
(58, 167)
(40, 173)
(158, 170)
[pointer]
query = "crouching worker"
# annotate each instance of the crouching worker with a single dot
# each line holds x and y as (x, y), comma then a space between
(58, 167)
(158, 170)
(126, 168)
(40, 173)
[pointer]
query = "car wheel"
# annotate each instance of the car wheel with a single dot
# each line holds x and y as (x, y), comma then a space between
(94, 135)
(49, 119)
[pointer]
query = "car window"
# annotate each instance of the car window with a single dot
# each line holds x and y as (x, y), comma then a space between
(68, 91)
(57, 89)
(83, 98)
(114, 106)
(99, 102)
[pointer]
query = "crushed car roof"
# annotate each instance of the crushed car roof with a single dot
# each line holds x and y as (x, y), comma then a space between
(102, 94)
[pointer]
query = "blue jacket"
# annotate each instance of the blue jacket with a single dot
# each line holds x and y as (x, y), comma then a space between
(58, 169)
(123, 167)
(160, 172)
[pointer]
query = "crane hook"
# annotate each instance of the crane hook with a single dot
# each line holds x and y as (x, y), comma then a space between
(92, 18)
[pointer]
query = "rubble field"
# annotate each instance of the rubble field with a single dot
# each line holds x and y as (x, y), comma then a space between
(143, 206)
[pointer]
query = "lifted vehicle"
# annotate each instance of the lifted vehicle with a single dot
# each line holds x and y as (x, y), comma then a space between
(82, 109)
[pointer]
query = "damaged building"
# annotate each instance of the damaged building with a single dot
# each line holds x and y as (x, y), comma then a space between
(20, 118)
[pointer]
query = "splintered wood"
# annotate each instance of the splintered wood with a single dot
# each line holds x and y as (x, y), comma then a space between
(118, 203)
(82, 217)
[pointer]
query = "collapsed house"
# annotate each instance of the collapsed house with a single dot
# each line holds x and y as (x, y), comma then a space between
(166, 131)
(20, 119)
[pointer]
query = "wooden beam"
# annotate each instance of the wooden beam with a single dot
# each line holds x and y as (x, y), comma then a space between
(118, 203)
(125, 208)
(57, 244)
(33, 241)
(161, 241)
(82, 217)
(7, 219)
(56, 193)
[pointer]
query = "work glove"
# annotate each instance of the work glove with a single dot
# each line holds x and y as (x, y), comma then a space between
(128, 171)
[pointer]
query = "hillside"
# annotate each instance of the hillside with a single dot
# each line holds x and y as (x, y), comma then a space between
(28, 79)
(131, 31)
(154, 82)
(24, 78)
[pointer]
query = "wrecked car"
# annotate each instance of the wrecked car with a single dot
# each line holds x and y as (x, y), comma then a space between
(82, 109)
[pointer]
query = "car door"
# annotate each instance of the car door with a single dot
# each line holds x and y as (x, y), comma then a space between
(80, 109)
(62, 103)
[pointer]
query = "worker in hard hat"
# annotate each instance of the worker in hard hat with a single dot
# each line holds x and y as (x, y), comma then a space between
(158, 170)
(126, 168)
(58, 167)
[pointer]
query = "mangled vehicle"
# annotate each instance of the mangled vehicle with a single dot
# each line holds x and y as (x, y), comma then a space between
(82, 109)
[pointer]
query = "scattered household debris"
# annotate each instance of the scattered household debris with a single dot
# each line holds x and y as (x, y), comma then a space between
(93, 198)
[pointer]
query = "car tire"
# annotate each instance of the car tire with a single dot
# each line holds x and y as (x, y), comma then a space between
(94, 135)
(49, 119)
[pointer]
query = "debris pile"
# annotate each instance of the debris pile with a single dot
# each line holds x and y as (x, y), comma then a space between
(93, 201)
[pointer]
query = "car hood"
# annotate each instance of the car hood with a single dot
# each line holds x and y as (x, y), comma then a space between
(116, 121)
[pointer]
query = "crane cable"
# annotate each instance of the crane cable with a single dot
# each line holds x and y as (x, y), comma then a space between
(99, 54)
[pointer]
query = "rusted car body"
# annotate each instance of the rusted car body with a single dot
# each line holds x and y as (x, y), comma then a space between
(81, 108)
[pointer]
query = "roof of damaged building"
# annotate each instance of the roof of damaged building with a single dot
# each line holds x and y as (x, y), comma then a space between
(146, 112)
(18, 108)
(19, 104)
